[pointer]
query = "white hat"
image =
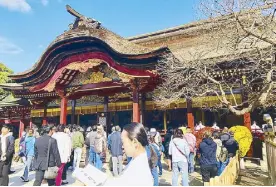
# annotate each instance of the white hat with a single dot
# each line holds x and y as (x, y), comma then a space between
(153, 131)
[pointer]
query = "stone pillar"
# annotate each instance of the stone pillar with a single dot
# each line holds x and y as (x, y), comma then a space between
(136, 110)
(63, 110)
(190, 116)
(73, 113)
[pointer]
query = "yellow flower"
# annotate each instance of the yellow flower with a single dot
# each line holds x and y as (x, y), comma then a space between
(244, 138)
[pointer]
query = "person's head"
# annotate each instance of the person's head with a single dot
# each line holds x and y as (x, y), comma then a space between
(153, 131)
(207, 134)
(225, 130)
(94, 128)
(61, 128)
(67, 129)
(113, 129)
(30, 132)
(54, 129)
(188, 130)
(5, 129)
(170, 130)
(216, 135)
(100, 129)
(48, 129)
(178, 133)
(117, 128)
(134, 138)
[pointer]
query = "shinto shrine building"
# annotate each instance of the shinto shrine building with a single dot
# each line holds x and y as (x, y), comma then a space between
(91, 75)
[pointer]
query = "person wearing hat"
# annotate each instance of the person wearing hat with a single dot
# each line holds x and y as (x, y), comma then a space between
(231, 145)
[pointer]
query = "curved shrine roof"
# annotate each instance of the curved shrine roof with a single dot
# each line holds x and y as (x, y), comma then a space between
(87, 35)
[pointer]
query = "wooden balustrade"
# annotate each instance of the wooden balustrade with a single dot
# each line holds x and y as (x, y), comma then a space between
(270, 143)
(229, 174)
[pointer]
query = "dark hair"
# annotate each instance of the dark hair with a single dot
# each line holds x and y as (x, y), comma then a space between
(151, 139)
(46, 129)
(216, 135)
(170, 130)
(178, 133)
(60, 128)
(137, 130)
(94, 128)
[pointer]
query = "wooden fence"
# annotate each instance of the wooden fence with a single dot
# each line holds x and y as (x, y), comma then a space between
(270, 143)
(229, 174)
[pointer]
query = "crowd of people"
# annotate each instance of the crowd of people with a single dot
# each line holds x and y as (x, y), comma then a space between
(62, 146)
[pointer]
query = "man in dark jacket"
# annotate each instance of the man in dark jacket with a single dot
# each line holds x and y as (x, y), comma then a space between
(208, 160)
(6, 152)
(116, 151)
(40, 159)
(231, 145)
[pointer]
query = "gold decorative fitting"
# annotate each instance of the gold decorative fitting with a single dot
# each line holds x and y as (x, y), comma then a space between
(125, 77)
(97, 77)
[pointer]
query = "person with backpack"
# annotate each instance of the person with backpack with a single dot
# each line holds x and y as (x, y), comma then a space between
(28, 151)
(221, 154)
(89, 142)
(154, 171)
(77, 143)
(191, 140)
(100, 147)
(158, 141)
(180, 151)
(208, 158)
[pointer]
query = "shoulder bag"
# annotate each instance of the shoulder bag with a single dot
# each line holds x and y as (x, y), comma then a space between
(51, 172)
(181, 152)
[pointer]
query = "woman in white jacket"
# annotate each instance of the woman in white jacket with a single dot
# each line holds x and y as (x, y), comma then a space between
(64, 147)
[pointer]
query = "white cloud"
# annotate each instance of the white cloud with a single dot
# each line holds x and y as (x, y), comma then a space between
(16, 5)
(7, 47)
(45, 2)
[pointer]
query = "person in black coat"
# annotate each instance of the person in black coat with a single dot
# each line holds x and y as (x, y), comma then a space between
(208, 159)
(6, 152)
(231, 145)
(40, 158)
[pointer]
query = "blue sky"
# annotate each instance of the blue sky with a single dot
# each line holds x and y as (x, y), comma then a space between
(28, 26)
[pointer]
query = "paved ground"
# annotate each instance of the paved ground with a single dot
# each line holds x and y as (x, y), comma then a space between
(165, 180)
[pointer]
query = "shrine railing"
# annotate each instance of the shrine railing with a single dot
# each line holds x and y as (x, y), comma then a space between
(270, 143)
(229, 174)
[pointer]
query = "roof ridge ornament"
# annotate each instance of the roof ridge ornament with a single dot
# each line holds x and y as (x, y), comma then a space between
(82, 21)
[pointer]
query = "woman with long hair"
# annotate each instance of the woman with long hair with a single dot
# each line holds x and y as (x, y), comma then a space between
(138, 171)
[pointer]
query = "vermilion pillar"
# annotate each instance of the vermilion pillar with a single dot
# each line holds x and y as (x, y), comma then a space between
(136, 110)
(63, 110)
(190, 116)
(21, 128)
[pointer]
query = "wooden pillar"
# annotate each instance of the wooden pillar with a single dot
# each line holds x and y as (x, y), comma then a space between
(165, 120)
(143, 109)
(63, 111)
(190, 116)
(73, 113)
(21, 125)
(106, 112)
(45, 116)
(136, 110)
(246, 116)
